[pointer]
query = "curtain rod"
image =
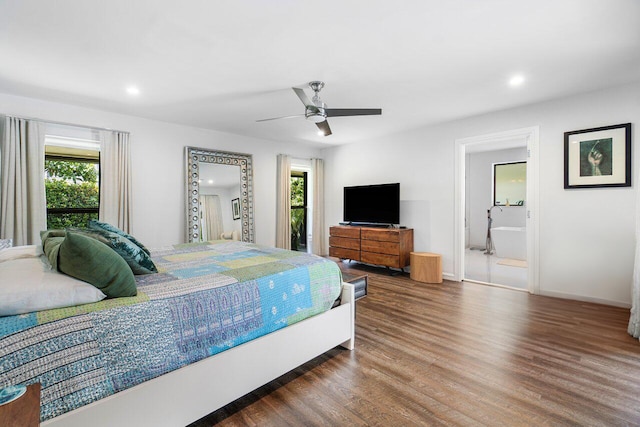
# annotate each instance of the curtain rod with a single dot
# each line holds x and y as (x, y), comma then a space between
(66, 124)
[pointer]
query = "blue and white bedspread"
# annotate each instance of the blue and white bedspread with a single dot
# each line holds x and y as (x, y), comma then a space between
(206, 298)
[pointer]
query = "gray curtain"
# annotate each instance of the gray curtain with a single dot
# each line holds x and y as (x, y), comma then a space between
(23, 212)
(115, 180)
(318, 233)
(283, 202)
(212, 227)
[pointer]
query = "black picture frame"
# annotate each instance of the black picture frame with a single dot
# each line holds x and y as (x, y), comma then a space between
(235, 208)
(598, 157)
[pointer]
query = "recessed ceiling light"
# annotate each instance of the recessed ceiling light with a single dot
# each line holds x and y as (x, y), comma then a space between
(210, 181)
(133, 90)
(516, 80)
(320, 133)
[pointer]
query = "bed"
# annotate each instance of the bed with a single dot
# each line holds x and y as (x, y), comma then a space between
(218, 320)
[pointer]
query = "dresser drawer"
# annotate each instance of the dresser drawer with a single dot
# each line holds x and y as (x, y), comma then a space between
(351, 232)
(383, 234)
(343, 253)
(380, 259)
(379, 247)
(344, 242)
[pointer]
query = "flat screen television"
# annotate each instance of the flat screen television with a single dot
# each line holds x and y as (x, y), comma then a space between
(372, 204)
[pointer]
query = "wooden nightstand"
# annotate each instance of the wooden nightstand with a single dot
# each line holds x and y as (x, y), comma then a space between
(359, 282)
(24, 411)
(426, 267)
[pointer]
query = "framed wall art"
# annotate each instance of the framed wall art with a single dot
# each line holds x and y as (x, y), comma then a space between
(598, 157)
(235, 208)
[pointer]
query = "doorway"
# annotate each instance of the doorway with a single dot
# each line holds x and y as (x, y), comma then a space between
(299, 208)
(470, 261)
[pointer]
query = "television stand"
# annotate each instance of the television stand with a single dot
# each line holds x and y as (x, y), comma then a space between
(388, 247)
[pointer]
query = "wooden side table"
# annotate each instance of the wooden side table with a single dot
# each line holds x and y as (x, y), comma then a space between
(24, 411)
(426, 267)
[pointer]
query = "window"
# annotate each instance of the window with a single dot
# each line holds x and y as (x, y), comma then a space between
(72, 181)
(299, 208)
(509, 183)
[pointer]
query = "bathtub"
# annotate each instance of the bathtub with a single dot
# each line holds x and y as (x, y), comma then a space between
(510, 242)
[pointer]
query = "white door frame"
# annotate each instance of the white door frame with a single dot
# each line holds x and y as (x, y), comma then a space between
(498, 140)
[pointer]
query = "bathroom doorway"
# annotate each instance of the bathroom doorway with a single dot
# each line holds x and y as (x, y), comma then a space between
(496, 229)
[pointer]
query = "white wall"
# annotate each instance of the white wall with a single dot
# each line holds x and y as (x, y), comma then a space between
(586, 236)
(157, 150)
(479, 194)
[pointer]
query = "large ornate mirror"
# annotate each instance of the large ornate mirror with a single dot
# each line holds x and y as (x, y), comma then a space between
(219, 195)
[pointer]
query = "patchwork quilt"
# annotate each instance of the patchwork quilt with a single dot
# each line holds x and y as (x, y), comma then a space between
(205, 298)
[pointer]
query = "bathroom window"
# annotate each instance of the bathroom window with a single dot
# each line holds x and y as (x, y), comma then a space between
(509, 183)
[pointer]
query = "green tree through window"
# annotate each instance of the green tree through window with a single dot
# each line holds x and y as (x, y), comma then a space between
(72, 191)
(298, 211)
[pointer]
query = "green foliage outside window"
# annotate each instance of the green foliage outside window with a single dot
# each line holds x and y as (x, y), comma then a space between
(297, 215)
(69, 170)
(297, 191)
(71, 184)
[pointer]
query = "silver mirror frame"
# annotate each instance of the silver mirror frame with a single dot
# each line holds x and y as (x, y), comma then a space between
(195, 156)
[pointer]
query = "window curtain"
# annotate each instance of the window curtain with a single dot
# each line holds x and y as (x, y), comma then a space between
(23, 211)
(634, 320)
(318, 245)
(283, 202)
(212, 227)
(115, 179)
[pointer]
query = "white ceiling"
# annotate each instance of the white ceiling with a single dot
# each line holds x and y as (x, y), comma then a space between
(223, 65)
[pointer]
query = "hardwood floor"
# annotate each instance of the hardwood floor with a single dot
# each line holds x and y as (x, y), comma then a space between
(459, 354)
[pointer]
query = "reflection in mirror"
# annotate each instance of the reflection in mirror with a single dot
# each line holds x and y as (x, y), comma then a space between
(509, 184)
(219, 195)
(219, 185)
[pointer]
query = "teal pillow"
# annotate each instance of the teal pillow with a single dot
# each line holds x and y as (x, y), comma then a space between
(137, 259)
(97, 225)
(94, 262)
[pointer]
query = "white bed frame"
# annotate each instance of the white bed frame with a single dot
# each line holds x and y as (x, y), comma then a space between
(187, 394)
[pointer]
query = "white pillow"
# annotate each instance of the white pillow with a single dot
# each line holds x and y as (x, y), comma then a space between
(17, 252)
(30, 284)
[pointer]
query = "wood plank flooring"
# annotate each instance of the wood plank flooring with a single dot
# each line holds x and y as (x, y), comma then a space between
(459, 354)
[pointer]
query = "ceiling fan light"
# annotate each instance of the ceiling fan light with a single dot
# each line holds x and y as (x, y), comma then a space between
(316, 118)
(315, 115)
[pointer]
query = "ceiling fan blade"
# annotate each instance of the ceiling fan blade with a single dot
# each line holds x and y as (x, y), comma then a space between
(303, 97)
(324, 127)
(278, 118)
(341, 112)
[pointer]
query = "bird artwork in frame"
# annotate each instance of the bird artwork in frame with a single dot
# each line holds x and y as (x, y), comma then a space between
(598, 157)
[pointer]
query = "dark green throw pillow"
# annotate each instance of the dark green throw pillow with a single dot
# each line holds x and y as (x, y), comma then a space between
(51, 240)
(94, 262)
(136, 258)
(97, 225)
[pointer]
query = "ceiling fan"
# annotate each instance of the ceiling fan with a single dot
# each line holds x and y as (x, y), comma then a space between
(316, 111)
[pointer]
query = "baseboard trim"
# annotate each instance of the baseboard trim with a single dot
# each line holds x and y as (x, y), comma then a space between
(584, 299)
(449, 276)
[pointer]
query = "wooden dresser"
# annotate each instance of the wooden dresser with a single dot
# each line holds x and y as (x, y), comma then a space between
(389, 247)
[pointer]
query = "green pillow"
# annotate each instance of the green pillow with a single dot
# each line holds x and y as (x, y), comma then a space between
(136, 258)
(97, 225)
(51, 240)
(94, 262)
